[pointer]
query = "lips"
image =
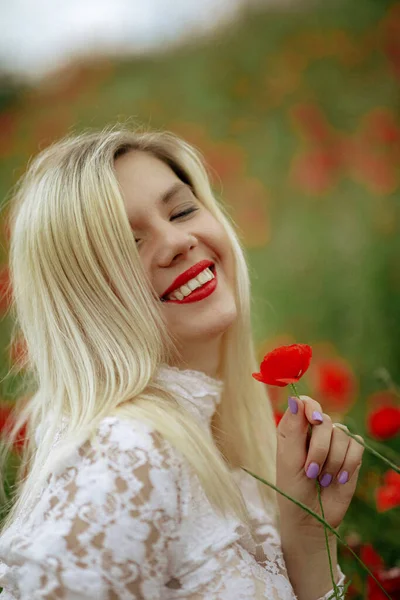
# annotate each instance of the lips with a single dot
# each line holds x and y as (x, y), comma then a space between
(187, 275)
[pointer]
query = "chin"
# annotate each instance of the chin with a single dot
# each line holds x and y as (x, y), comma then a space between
(212, 327)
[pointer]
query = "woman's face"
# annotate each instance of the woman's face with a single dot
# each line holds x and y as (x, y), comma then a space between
(173, 235)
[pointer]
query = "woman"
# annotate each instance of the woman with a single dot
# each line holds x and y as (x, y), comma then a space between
(132, 293)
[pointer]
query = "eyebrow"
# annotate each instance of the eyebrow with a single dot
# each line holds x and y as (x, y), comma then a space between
(166, 196)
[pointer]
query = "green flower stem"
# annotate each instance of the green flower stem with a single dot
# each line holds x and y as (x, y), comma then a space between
(321, 520)
(367, 447)
(318, 486)
(348, 421)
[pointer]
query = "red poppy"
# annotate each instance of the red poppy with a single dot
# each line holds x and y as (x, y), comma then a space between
(5, 289)
(384, 422)
(6, 424)
(389, 580)
(392, 478)
(335, 382)
(370, 557)
(284, 365)
(387, 497)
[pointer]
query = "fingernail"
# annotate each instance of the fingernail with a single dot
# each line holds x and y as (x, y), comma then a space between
(343, 477)
(317, 416)
(313, 470)
(326, 479)
(293, 405)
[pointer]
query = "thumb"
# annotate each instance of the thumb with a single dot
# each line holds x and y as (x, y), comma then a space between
(293, 437)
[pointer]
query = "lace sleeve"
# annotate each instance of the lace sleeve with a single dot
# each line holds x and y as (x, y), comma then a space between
(105, 522)
(267, 544)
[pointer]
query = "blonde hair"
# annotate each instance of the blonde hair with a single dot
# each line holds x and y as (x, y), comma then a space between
(93, 329)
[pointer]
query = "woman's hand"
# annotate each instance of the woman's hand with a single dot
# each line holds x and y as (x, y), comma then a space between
(327, 454)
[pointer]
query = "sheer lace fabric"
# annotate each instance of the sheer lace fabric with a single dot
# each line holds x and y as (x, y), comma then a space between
(130, 521)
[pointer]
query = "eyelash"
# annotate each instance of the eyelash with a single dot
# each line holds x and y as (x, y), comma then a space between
(184, 213)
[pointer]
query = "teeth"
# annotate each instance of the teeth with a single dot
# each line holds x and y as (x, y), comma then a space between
(202, 277)
(185, 290)
(191, 285)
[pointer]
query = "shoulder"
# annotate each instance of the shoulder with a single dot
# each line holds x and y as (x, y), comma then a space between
(131, 444)
(123, 435)
(115, 436)
(125, 459)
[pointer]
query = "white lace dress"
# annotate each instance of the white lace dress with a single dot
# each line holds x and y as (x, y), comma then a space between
(130, 522)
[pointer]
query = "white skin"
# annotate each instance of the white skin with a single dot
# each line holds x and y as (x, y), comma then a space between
(168, 246)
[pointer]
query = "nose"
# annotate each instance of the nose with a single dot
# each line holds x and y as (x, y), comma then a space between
(174, 243)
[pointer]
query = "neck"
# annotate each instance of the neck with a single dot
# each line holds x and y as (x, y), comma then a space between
(204, 356)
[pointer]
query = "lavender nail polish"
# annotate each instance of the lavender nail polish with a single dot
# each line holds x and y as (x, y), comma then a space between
(317, 416)
(313, 470)
(326, 479)
(343, 477)
(293, 405)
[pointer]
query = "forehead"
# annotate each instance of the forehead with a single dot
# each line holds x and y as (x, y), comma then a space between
(143, 178)
(147, 185)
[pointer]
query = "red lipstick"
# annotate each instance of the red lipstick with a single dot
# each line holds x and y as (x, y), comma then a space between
(187, 275)
(202, 292)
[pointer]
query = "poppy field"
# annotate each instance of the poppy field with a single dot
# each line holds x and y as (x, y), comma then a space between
(297, 116)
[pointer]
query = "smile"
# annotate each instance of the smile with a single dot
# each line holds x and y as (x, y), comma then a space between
(196, 289)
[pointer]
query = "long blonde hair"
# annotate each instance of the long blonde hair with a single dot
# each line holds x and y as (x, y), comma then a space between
(93, 330)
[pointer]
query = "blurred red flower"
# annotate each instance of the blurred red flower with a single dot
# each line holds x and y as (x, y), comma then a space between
(284, 365)
(18, 351)
(5, 289)
(392, 478)
(6, 423)
(328, 154)
(380, 126)
(388, 495)
(334, 382)
(370, 557)
(278, 416)
(384, 422)
(315, 170)
(389, 580)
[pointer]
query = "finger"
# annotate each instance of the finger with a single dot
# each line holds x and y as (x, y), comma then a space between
(336, 456)
(352, 462)
(292, 438)
(313, 410)
(319, 447)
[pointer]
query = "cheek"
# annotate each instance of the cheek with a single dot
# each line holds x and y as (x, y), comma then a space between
(215, 236)
(222, 245)
(230, 265)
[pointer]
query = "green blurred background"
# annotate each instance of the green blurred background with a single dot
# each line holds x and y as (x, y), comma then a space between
(297, 115)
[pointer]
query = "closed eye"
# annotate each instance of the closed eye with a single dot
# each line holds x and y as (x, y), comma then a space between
(184, 213)
(179, 215)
